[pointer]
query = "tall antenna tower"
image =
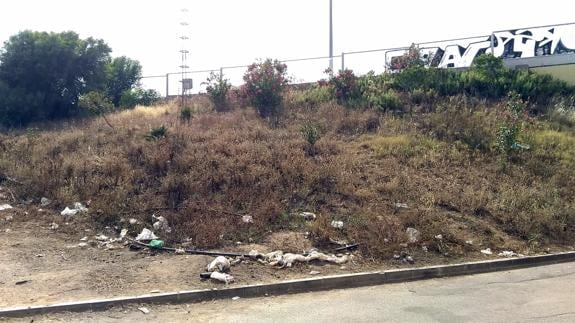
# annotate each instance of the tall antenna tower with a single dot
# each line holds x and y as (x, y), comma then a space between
(186, 82)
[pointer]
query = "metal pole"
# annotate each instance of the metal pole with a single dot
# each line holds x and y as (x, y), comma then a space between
(221, 72)
(167, 85)
(342, 61)
(331, 37)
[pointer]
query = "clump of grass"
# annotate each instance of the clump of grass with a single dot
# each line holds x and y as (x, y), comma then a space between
(157, 133)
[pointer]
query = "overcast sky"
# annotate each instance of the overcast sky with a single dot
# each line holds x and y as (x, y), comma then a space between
(234, 32)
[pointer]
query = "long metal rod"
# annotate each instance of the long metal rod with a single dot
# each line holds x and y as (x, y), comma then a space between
(331, 36)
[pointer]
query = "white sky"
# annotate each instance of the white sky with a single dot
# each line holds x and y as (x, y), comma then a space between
(234, 32)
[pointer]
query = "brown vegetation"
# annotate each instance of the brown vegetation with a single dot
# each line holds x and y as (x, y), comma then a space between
(203, 175)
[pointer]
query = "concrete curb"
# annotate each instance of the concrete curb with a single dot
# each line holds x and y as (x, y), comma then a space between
(301, 285)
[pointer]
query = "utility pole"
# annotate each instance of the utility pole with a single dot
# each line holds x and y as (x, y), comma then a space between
(331, 37)
(184, 52)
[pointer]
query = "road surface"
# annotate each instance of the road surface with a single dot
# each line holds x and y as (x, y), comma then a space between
(540, 294)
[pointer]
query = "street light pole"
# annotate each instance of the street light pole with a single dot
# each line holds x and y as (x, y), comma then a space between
(331, 37)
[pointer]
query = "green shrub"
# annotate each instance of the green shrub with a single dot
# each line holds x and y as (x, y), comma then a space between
(157, 133)
(218, 88)
(138, 96)
(387, 101)
(513, 122)
(186, 114)
(265, 82)
(311, 133)
(345, 87)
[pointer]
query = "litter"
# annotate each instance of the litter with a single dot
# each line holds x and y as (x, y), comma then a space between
(278, 258)
(84, 239)
(221, 264)
(45, 201)
(308, 216)
(413, 235)
(54, 226)
(235, 298)
(509, 254)
(337, 224)
(78, 208)
(133, 221)
(247, 219)
(439, 237)
(101, 237)
(161, 224)
(222, 277)
(487, 251)
(9, 218)
(123, 233)
(144, 310)
(146, 235)
(314, 272)
(5, 207)
(157, 244)
(82, 245)
(401, 205)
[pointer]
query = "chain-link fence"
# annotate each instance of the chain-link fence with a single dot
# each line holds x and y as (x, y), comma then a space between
(450, 53)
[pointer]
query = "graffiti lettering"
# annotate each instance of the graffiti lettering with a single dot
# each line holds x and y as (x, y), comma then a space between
(519, 43)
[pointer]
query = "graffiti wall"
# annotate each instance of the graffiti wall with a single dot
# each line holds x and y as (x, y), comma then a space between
(518, 43)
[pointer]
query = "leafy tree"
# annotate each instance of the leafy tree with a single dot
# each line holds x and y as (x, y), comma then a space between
(52, 70)
(123, 75)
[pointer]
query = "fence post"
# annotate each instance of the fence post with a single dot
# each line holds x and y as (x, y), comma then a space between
(167, 85)
(342, 61)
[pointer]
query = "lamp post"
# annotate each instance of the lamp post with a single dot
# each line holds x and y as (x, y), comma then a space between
(330, 37)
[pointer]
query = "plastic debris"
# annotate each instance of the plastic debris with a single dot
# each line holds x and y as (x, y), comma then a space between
(487, 251)
(144, 310)
(247, 219)
(278, 258)
(222, 277)
(101, 237)
(45, 201)
(82, 245)
(146, 235)
(84, 239)
(156, 244)
(337, 224)
(78, 208)
(509, 254)
(221, 264)
(235, 298)
(401, 205)
(314, 272)
(123, 233)
(133, 221)
(439, 237)
(161, 224)
(180, 251)
(5, 207)
(469, 242)
(54, 226)
(413, 235)
(308, 216)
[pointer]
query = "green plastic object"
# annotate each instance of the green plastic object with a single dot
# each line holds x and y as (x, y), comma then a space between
(157, 244)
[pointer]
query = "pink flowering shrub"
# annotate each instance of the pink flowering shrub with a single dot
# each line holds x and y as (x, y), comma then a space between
(345, 87)
(265, 82)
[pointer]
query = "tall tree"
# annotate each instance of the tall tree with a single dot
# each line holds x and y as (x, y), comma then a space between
(123, 75)
(54, 69)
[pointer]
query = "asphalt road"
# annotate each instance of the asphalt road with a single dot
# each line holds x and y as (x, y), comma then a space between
(541, 294)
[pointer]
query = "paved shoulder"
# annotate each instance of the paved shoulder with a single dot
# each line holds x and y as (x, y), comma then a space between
(535, 294)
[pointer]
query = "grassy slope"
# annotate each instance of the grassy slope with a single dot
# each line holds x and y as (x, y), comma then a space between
(440, 163)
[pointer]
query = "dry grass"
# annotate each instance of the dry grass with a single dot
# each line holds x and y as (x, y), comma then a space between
(365, 162)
